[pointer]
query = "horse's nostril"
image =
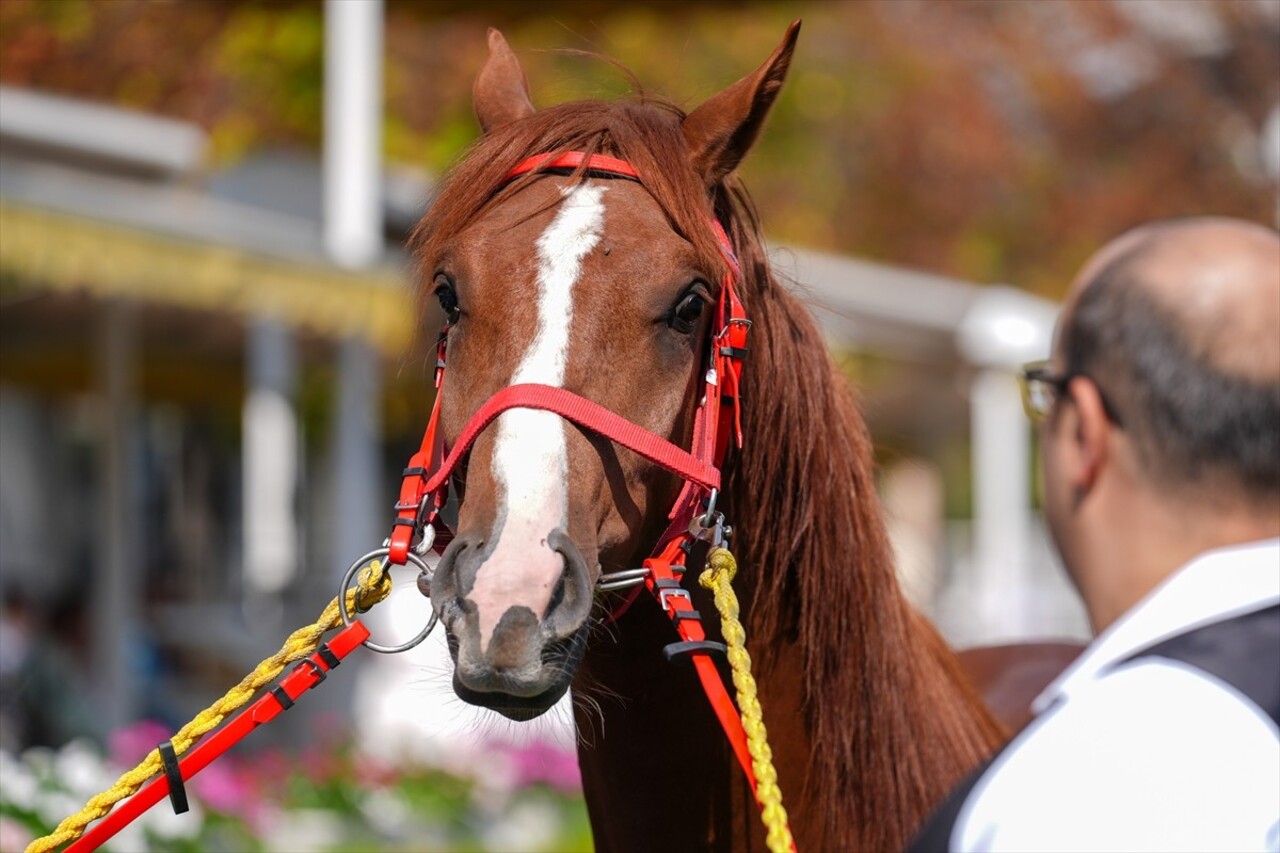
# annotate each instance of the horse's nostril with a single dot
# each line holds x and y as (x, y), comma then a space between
(557, 594)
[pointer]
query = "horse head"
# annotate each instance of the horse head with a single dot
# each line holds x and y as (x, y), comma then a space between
(593, 282)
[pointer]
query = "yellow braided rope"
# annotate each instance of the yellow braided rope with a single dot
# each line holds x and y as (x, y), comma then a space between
(718, 577)
(373, 585)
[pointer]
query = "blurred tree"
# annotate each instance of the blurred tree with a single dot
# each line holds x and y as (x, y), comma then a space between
(996, 141)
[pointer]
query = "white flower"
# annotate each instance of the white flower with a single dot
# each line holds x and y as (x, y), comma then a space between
(79, 769)
(40, 759)
(163, 822)
(18, 786)
(386, 812)
(130, 839)
(54, 806)
(529, 825)
(305, 831)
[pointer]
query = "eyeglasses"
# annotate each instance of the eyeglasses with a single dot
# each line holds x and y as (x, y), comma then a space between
(1040, 388)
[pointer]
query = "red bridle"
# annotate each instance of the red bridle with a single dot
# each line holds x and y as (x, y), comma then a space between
(424, 490)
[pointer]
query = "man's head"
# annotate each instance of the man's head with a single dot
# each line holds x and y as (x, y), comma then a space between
(1171, 420)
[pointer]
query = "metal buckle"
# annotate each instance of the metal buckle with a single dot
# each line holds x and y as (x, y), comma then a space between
(664, 594)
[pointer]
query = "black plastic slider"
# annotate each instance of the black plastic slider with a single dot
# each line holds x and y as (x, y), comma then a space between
(173, 775)
(683, 651)
(283, 697)
(326, 654)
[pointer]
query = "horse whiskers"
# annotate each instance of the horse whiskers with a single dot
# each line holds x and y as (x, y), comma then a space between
(434, 684)
(602, 628)
(595, 691)
(600, 622)
(584, 730)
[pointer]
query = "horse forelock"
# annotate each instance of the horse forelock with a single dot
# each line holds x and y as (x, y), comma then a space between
(644, 131)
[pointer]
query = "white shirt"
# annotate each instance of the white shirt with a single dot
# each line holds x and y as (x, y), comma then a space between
(1152, 755)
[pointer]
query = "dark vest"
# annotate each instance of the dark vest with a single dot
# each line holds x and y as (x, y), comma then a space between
(1243, 651)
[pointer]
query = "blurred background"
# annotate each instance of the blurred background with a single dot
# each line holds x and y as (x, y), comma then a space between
(210, 373)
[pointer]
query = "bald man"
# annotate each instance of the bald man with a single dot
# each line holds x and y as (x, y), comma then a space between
(1159, 418)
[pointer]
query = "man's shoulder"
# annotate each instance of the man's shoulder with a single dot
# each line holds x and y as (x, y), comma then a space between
(1241, 654)
(1148, 708)
(1155, 704)
(1149, 749)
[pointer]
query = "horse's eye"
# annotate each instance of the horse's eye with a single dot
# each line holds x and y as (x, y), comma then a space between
(448, 298)
(686, 313)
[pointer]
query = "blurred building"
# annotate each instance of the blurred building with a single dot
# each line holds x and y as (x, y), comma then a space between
(184, 377)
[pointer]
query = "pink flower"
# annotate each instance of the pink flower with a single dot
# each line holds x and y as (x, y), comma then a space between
(220, 787)
(547, 763)
(131, 744)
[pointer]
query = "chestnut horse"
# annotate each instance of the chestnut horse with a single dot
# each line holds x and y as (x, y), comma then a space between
(600, 285)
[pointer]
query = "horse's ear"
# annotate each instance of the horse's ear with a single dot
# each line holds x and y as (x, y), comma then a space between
(721, 131)
(501, 93)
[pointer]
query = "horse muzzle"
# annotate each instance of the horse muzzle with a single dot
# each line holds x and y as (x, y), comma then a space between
(521, 662)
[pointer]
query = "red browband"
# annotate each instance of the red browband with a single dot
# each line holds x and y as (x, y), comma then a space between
(424, 491)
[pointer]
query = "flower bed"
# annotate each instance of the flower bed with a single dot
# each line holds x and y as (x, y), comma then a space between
(322, 799)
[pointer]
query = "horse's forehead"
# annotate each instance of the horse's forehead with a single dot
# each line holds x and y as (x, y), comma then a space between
(634, 248)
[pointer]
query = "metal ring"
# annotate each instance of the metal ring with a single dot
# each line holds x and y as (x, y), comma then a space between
(347, 617)
(708, 518)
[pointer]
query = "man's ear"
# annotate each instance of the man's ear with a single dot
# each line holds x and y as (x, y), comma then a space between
(721, 131)
(1091, 434)
(501, 92)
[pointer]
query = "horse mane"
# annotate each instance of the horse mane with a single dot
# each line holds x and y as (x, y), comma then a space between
(892, 720)
(892, 724)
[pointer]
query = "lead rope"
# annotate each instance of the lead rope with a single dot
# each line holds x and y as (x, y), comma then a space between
(374, 584)
(718, 577)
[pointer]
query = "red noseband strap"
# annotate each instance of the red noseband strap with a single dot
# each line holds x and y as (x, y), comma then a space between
(585, 413)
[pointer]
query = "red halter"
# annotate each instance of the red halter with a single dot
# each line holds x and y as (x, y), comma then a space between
(423, 491)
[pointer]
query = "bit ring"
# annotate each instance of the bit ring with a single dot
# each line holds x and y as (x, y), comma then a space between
(347, 618)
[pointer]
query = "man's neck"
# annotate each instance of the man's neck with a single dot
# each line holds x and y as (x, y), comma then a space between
(1140, 550)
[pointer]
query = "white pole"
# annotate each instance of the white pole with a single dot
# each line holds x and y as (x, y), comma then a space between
(270, 458)
(1001, 503)
(1003, 328)
(353, 237)
(353, 131)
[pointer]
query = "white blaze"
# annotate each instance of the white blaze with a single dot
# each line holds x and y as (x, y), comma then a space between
(530, 460)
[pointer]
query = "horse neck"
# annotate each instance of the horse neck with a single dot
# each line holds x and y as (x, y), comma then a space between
(869, 718)
(885, 715)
